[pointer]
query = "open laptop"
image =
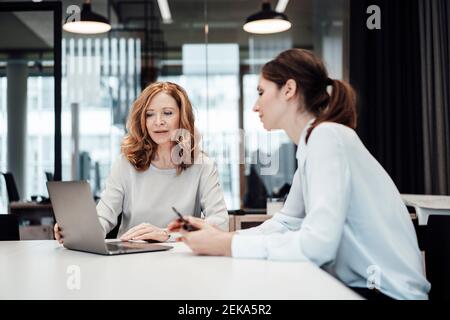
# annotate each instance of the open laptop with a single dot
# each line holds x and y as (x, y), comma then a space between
(75, 212)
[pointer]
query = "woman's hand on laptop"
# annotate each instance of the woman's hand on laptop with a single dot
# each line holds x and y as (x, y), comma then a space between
(57, 232)
(145, 231)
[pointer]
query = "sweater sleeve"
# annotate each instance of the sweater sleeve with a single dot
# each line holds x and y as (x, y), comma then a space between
(111, 202)
(211, 196)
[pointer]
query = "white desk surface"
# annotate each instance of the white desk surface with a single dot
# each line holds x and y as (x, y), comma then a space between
(39, 270)
(426, 205)
(427, 201)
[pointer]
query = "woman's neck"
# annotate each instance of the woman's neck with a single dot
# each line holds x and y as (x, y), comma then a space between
(162, 158)
(295, 124)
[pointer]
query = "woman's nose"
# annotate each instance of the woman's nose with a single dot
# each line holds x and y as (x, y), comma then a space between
(256, 108)
(159, 118)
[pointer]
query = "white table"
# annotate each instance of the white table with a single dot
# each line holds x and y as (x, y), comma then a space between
(42, 269)
(426, 205)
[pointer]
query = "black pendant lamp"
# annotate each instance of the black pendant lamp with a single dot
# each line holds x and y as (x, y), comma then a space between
(267, 21)
(89, 23)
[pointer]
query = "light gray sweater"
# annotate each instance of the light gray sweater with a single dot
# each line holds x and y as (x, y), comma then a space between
(148, 196)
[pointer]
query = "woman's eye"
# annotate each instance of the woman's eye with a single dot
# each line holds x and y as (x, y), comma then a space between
(260, 93)
(149, 115)
(168, 113)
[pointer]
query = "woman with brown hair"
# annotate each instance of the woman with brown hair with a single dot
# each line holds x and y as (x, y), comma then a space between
(343, 212)
(160, 167)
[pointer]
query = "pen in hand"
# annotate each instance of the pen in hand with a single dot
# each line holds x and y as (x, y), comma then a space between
(186, 225)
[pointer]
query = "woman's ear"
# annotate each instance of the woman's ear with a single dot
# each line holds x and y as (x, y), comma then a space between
(290, 89)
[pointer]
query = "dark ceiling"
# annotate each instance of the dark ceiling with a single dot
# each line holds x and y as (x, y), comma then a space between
(223, 17)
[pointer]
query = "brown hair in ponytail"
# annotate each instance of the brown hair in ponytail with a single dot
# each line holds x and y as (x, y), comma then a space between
(311, 76)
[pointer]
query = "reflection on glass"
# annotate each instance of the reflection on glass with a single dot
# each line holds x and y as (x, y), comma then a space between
(26, 101)
(215, 99)
(40, 136)
(3, 130)
(101, 80)
(103, 75)
(263, 148)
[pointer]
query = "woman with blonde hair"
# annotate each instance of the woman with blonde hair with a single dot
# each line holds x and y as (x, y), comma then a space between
(160, 167)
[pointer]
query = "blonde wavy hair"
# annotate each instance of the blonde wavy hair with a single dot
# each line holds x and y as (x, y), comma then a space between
(139, 148)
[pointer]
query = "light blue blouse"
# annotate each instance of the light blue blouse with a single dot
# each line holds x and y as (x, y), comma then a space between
(344, 214)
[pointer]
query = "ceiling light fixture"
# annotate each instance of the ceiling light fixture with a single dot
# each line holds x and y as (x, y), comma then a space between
(89, 22)
(281, 5)
(267, 21)
(165, 11)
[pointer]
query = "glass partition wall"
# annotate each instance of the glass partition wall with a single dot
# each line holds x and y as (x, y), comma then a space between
(30, 97)
(199, 44)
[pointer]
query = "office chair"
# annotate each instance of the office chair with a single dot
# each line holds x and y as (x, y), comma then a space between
(437, 256)
(9, 227)
(13, 193)
(11, 187)
(49, 176)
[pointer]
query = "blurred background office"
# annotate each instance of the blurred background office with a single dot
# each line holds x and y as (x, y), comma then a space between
(198, 44)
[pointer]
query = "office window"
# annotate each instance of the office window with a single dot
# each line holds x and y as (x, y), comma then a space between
(3, 137)
(205, 50)
(211, 79)
(271, 154)
(100, 82)
(40, 135)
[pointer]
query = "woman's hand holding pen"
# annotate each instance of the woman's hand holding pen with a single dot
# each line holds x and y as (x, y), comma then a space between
(208, 240)
(145, 231)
